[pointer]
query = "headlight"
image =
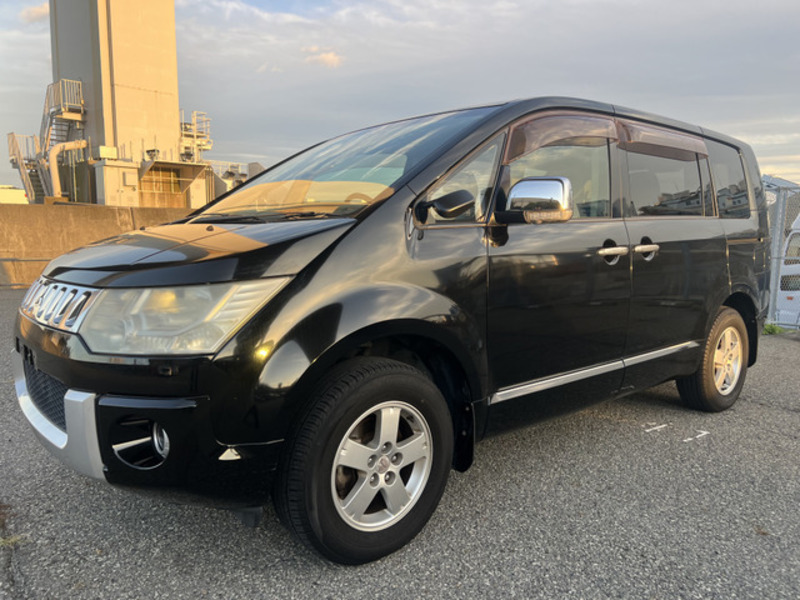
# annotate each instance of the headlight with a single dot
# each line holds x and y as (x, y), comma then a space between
(195, 319)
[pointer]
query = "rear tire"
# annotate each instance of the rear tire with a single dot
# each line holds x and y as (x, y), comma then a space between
(368, 462)
(717, 383)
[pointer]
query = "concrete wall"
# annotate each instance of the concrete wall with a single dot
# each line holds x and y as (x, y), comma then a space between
(12, 195)
(77, 54)
(199, 194)
(32, 235)
(117, 183)
(143, 63)
(124, 52)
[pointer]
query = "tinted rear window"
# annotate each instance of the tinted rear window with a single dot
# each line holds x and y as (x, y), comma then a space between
(661, 186)
(729, 181)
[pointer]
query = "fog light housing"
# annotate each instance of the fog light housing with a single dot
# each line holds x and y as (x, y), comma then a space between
(160, 440)
(140, 443)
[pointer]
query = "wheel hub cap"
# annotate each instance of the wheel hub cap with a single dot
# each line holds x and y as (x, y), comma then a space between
(381, 466)
(728, 361)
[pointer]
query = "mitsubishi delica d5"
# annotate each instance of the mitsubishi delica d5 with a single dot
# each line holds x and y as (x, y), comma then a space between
(340, 331)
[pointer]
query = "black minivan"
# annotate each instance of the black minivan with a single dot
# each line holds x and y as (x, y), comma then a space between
(339, 331)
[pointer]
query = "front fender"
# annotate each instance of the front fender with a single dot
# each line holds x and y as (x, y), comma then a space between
(334, 330)
(313, 331)
(367, 314)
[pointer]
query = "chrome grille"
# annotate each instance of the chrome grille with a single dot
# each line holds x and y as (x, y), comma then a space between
(58, 305)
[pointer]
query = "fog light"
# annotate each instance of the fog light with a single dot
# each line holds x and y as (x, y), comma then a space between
(140, 443)
(160, 440)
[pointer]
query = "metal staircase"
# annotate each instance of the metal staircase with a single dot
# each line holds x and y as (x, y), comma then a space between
(195, 136)
(37, 185)
(57, 132)
(63, 109)
(22, 151)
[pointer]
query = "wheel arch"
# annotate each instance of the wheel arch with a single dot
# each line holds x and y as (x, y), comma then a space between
(423, 346)
(742, 303)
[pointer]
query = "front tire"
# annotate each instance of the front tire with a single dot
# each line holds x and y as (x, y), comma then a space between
(368, 463)
(716, 385)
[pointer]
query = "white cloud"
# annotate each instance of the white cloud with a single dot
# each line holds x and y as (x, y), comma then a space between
(32, 14)
(696, 60)
(702, 61)
(268, 68)
(329, 59)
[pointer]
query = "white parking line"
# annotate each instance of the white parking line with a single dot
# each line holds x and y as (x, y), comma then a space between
(656, 428)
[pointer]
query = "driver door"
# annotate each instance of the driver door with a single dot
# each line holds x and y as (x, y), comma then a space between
(559, 293)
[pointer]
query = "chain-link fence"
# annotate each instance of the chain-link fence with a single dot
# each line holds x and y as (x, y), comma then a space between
(784, 307)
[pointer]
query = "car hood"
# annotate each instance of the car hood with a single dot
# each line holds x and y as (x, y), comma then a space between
(190, 253)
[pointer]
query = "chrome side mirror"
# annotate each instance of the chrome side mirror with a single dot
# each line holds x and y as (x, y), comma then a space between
(542, 199)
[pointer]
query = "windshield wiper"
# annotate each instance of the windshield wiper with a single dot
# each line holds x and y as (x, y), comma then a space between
(229, 218)
(270, 217)
(303, 214)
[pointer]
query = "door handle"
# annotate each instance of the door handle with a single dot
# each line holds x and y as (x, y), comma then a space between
(611, 254)
(646, 248)
(613, 251)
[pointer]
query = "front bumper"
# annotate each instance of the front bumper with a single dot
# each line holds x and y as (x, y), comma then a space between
(79, 448)
(106, 433)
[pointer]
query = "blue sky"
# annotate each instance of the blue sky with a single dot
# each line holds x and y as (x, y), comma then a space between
(278, 75)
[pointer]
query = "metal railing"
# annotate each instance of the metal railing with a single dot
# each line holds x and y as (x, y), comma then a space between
(63, 103)
(22, 148)
(63, 96)
(18, 159)
(195, 136)
(227, 170)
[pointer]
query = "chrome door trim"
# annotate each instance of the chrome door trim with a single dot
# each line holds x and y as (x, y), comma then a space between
(546, 383)
(640, 358)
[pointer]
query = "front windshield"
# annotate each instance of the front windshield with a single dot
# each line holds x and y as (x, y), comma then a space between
(343, 175)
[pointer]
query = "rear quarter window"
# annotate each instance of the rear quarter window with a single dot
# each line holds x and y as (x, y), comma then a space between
(662, 186)
(730, 183)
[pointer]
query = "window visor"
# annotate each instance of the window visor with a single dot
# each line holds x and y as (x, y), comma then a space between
(658, 141)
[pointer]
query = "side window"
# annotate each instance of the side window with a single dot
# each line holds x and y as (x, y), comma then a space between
(729, 180)
(790, 283)
(793, 250)
(476, 175)
(577, 148)
(586, 166)
(662, 186)
(790, 277)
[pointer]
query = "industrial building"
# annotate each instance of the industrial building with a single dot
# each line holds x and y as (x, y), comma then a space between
(112, 132)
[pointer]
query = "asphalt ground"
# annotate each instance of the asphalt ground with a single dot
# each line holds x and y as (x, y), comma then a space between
(634, 498)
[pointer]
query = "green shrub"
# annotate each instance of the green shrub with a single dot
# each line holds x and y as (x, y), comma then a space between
(770, 329)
